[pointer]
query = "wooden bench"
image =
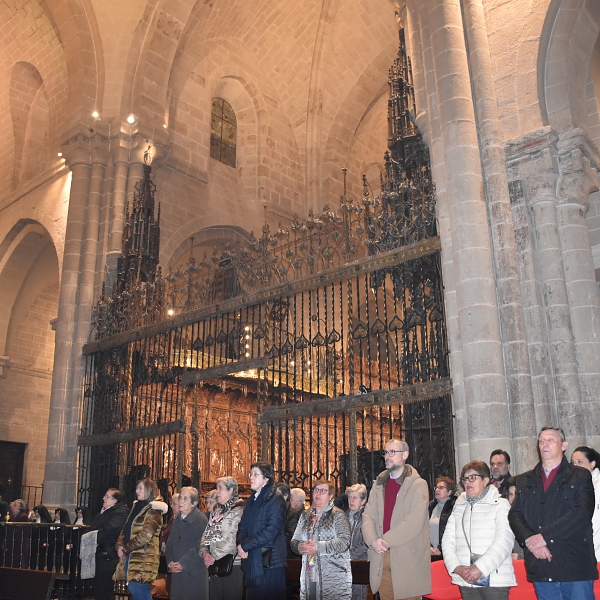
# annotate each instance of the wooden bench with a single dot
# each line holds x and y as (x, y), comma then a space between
(27, 584)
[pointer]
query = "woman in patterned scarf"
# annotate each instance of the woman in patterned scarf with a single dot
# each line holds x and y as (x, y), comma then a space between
(322, 537)
(219, 540)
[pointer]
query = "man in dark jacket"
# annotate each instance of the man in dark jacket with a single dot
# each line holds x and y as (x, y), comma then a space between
(108, 523)
(551, 517)
(500, 470)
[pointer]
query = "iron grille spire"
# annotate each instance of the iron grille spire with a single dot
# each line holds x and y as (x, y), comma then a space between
(141, 237)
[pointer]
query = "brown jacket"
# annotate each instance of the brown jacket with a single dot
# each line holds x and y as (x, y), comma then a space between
(143, 548)
(408, 537)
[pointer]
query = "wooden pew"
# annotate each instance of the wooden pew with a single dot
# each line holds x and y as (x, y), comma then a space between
(26, 584)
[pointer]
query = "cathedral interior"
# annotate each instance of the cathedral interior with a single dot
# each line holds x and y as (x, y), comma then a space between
(289, 231)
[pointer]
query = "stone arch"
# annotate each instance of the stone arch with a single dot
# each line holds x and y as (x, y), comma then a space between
(29, 290)
(28, 264)
(204, 241)
(347, 124)
(82, 56)
(30, 119)
(569, 36)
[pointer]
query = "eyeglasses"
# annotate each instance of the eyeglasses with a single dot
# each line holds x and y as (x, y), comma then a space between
(441, 487)
(385, 453)
(473, 477)
(253, 474)
(106, 497)
(321, 491)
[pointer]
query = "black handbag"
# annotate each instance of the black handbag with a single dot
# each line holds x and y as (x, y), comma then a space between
(266, 557)
(222, 567)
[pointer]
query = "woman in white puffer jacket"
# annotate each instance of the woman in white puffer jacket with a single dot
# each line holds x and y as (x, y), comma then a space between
(478, 541)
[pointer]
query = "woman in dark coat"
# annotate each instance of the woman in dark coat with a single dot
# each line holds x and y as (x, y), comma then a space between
(261, 528)
(108, 523)
(189, 577)
(440, 509)
(357, 498)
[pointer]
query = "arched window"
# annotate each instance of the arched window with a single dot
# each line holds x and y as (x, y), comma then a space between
(223, 132)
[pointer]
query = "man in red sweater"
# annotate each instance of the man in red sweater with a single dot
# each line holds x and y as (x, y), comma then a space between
(395, 526)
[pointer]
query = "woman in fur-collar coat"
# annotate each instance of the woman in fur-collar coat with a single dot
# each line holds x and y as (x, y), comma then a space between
(138, 545)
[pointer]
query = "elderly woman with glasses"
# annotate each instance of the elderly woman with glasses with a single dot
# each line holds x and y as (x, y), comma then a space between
(478, 541)
(260, 537)
(323, 537)
(440, 509)
(219, 542)
(357, 498)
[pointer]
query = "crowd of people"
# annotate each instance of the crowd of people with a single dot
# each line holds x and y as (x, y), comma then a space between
(550, 516)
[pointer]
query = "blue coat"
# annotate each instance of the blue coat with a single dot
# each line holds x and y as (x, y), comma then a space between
(262, 527)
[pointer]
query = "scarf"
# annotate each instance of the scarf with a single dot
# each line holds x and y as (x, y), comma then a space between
(212, 533)
(473, 501)
(135, 511)
(312, 531)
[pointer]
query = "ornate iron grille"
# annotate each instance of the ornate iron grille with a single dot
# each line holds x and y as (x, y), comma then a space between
(309, 347)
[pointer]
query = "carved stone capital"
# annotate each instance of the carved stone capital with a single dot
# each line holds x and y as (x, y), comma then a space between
(578, 177)
(86, 150)
(531, 161)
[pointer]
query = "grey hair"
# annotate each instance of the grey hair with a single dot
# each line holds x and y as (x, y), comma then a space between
(401, 442)
(230, 483)
(298, 493)
(211, 494)
(552, 428)
(192, 491)
(359, 488)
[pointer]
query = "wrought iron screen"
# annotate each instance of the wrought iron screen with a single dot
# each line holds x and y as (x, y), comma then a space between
(309, 347)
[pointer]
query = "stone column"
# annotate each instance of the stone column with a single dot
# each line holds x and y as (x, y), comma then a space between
(120, 154)
(540, 173)
(508, 289)
(61, 456)
(482, 359)
(577, 180)
(428, 121)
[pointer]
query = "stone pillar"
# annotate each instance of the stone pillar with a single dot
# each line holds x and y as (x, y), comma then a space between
(482, 358)
(61, 455)
(539, 172)
(428, 121)
(508, 289)
(577, 180)
(120, 154)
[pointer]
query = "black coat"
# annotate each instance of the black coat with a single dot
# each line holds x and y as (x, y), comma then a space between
(446, 512)
(563, 515)
(289, 527)
(109, 525)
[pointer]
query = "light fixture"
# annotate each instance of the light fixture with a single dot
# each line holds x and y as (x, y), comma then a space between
(165, 125)
(246, 328)
(95, 114)
(131, 118)
(247, 354)
(60, 154)
(170, 312)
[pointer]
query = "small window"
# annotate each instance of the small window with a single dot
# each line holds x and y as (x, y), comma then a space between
(223, 132)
